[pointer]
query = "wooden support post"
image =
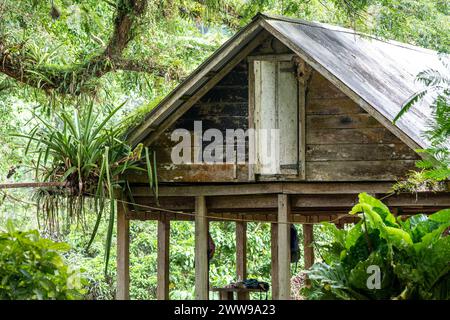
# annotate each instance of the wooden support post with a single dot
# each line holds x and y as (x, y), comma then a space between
(394, 212)
(226, 295)
(340, 224)
(284, 248)
(274, 259)
(162, 291)
(201, 249)
(241, 250)
(123, 254)
(241, 256)
(308, 249)
(304, 72)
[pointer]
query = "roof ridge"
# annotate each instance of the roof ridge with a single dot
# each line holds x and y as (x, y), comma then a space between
(337, 28)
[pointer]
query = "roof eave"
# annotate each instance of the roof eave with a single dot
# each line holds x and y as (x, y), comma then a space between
(261, 21)
(140, 132)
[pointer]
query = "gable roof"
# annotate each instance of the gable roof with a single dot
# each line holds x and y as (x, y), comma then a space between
(379, 75)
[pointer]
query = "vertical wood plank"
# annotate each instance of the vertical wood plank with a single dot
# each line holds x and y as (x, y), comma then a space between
(251, 120)
(304, 72)
(201, 249)
(288, 108)
(266, 117)
(162, 291)
(123, 254)
(302, 129)
(241, 255)
(241, 249)
(274, 259)
(284, 248)
(308, 249)
(340, 224)
(240, 55)
(257, 115)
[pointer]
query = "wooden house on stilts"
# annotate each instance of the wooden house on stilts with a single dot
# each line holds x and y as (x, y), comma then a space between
(285, 123)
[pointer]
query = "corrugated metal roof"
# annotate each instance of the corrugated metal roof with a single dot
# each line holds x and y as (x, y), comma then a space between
(382, 74)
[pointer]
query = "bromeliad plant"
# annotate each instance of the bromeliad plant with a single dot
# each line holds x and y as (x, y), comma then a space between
(88, 155)
(413, 256)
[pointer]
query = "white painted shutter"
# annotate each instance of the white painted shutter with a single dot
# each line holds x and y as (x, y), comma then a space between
(276, 118)
(288, 117)
(266, 117)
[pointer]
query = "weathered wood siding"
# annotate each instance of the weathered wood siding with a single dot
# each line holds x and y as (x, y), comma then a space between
(224, 107)
(343, 142)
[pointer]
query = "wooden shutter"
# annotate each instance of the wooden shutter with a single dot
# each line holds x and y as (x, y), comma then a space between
(287, 107)
(276, 107)
(267, 161)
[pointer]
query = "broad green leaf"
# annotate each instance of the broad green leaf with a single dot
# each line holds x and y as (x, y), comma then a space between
(441, 216)
(398, 236)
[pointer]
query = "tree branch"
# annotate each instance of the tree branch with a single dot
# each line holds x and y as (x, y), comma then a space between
(75, 79)
(17, 185)
(127, 12)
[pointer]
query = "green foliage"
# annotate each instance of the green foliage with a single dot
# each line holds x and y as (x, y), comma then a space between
(143, 258)
(176, 35)
(32, 267)
(436, 166)
(419, 181)
(413, 256)
(424, 23)
(88, 154)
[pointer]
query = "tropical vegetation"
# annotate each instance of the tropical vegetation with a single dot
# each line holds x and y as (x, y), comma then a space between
(32, 267)
(411, 255)
(436, 167)
(75, 74)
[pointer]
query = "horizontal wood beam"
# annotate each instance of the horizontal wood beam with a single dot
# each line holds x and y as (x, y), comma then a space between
(144, 216)
(324, 188)
(299, 203)
(329, 200)
(271, 57)
(209, 190)
(419, 199)
(311, 217)
(267, 188)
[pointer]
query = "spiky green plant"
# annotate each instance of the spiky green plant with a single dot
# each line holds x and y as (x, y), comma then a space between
(88, 154)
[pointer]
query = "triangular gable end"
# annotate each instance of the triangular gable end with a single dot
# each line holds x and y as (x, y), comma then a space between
(409, 129)
(198, 83)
